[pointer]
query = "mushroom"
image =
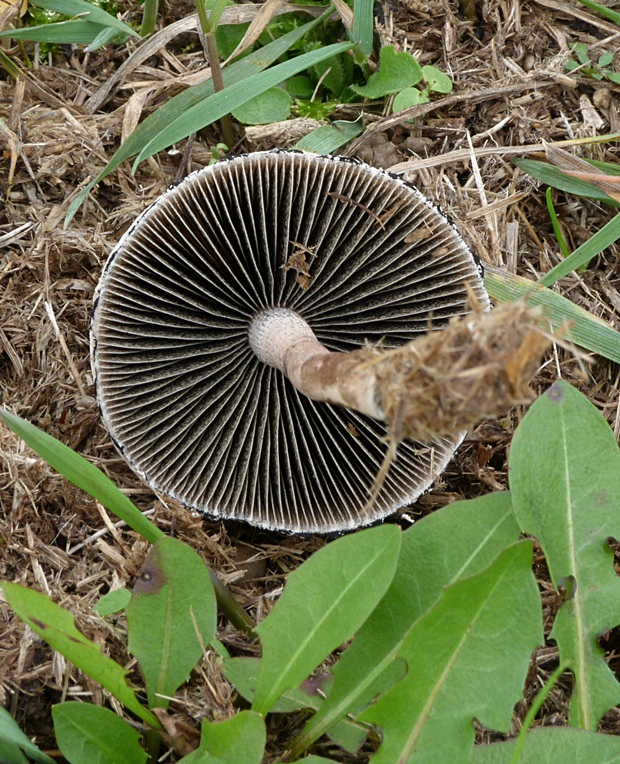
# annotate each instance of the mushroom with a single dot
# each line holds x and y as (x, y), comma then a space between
(222, 329)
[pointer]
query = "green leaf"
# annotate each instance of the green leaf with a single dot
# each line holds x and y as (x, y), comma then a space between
(554, 177)
(165, 115)
(107, 35)
(56, 626)
(396, 71)
(565, 481)
(605, 60)
(554, 745)
(334, 79)
(580, 49)
(12, 737)
(437, 81)
(612, 76)
(314, 760)
(483, 528)
(86, 10)
(467, 658)
(171, 601)
(228, 36)
(229, 99)
(409, 97)
(602, 239)
(87, 733)
(113, 602)
(328, 138)
(300, 86)
(83, 474)
(76, 32)
(11, 753)
(323, 604)
(238, 740)
(364, 24)
(587, 330)
(274, 105)
(242, 673)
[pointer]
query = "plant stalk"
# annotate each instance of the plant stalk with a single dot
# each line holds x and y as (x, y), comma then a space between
(149, 17)
(209, 27)
(230, 607)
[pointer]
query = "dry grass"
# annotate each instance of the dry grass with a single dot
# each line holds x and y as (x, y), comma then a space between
(511, 56)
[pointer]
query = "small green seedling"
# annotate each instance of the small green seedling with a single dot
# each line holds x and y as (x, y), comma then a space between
(583, 64)
(217, 152)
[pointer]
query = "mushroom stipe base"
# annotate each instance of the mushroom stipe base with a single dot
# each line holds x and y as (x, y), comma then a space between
(360, 256)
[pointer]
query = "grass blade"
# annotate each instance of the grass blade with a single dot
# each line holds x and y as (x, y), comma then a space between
(222, 103)
(328, 138)
(608, 13)
(86, 10)
(552, 176)
(83, 474)
(602, 239)
(76, 32)
(175, 107)
(590, 332)
(363, 24)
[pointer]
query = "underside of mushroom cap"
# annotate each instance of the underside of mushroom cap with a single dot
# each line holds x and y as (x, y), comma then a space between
(360, 256)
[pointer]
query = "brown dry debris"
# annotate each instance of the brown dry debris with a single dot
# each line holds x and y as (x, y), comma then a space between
(476, 368)
(65, 120)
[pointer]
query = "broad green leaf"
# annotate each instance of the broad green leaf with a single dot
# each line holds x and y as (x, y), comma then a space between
(300, 86)
(599, 241)
(467, 658)
(314, 760)
(78, 32)
(113, 602)
(437, 81)
(88, 11)
(554, 745)
(396, 71)
(166, 114)
(12, 737)
(242, 673)
(407, 98)
(12, 754)
(331, 74)
(56, 626)
(554, 177)
(565, 483)
(238, 740)
(171, 601)
(274, 105)
(328, 138)
(88, 734)
(589, 331)
(456, 541)
(364, 24)
(323, 604)
(83, 474)
(229, 99)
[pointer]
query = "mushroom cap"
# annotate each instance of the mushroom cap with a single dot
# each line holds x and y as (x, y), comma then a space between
(183, 395)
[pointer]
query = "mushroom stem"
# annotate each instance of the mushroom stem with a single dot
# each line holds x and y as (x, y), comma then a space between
(439, 384)
(281, 338)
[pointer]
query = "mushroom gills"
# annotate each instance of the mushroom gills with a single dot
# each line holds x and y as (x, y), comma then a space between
(191, 310)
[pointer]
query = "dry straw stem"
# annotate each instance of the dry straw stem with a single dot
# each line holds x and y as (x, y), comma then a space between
(448, 381)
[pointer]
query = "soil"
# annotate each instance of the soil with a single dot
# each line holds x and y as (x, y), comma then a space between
(511, 90)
